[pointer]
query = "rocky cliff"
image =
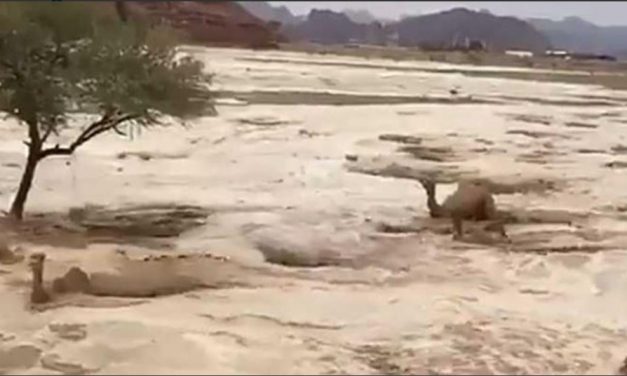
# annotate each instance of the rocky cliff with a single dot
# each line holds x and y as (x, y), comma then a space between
(267, 12)
(223, 23)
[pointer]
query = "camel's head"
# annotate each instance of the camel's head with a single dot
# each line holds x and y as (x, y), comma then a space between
(36, 261)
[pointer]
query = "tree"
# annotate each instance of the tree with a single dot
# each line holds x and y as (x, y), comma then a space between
(62, 59)
(122, 10)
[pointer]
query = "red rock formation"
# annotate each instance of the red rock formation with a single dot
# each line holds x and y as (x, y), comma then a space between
(218, 23)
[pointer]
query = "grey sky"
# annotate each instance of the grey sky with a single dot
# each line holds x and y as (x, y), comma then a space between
(599, 12)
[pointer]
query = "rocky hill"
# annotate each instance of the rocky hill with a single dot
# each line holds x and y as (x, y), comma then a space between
(223, 23)
(267, 12)
(445, 28)
(360, 16)
(328, 27)
(258, 23)
(578, 35)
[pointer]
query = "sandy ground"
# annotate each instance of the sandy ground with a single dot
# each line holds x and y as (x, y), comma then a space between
(268, 179)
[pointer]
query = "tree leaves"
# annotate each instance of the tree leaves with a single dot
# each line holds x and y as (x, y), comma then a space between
(59, 58)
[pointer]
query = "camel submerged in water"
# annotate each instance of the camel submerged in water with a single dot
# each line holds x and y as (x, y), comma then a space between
(471, 201)
(75, 280)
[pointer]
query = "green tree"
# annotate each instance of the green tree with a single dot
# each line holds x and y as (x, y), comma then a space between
(61, 59)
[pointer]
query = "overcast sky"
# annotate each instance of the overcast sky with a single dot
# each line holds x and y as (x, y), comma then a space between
(598, 12)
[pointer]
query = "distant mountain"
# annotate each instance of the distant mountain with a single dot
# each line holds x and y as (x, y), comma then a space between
(444, 29)
(361, 16)
(267, 12)
(448, 27)
(328, 27)
(578, 35)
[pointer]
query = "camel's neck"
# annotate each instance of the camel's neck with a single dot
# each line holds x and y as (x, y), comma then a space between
(38, 277)
(435, 210)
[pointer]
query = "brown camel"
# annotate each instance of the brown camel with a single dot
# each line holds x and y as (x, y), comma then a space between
(78, 286)
(471, 201)
(73, 281)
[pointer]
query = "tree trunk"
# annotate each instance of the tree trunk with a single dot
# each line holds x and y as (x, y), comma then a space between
(17, 208)
(121, 10)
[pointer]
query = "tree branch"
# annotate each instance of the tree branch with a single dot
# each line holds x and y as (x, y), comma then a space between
(47, 134)
(51, 57)
(13, 69)
(119, 131)
(7, 65)
(101, 126)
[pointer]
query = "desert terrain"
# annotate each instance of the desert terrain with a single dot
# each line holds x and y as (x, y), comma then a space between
(288, 234)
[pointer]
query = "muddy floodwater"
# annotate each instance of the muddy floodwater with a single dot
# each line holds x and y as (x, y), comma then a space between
(289, 234)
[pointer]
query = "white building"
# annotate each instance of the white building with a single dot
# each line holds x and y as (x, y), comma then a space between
(518, 53)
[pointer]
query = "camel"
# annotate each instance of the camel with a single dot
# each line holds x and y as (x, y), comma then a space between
(73, 281)
(471, 201)
(114, 289)
(623, 368)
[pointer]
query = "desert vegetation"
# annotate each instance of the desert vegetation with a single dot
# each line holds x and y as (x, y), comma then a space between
(60, 61)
